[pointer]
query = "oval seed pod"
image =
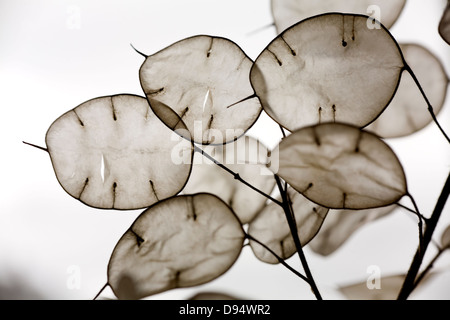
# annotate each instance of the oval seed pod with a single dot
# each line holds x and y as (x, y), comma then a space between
(339, 226)
(406, 113)
(247, 157)
(384, 288)
(271, 227)
(340, 167)
(114, 153)
(288, 12)
(179, 242)
(204, 81)
(444, 24)
(445, 238)
(324, 68)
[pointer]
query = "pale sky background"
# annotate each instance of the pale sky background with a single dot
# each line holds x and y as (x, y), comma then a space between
(55, 55)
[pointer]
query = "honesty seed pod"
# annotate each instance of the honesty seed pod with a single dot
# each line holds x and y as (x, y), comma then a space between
(406, 113)
(202, 81)
(114, 153)
(180, 242)
(341, 167)
(271, 228)
(288, 12)
(324, 68)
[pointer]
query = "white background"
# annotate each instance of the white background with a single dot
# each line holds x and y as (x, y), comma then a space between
(55, 55)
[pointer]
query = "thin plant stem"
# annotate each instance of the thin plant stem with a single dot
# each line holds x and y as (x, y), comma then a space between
(242, 100)
(236, 175)
(33, 145)
(410, 279)
(101, 290)
(280, 260)
(420, 223)
(411, 210)
(415, 214)
(291, 209)
(295, 236)
(267, 26)
(430, 107)
(283, 132)
(428, 268)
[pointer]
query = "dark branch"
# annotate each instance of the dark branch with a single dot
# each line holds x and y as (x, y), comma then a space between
(410, 280)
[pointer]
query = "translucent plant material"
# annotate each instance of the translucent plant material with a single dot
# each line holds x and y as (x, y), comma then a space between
(406, 113)
(271, 228)
(113, 153)
(204, 82)
(288, 12)
(340, 225)
(247, 157)
(377, 287)
(179, 242)
(328, 68)
(444, 24)
(213, 295)
(341, 167)
(445, 238)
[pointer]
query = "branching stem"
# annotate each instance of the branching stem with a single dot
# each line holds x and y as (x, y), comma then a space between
(280, 260)
(285, 204)
(420, 223)
(428, 268)
(293, 227)
(412, 211)
(410, 279)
